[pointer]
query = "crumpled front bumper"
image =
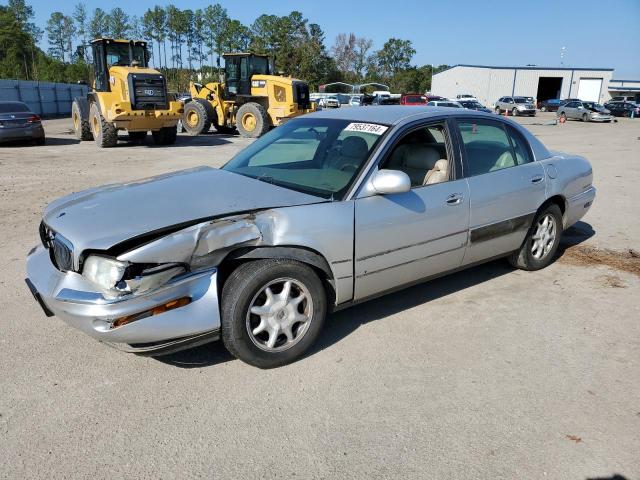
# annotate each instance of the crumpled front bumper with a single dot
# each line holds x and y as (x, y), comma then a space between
(71, 297)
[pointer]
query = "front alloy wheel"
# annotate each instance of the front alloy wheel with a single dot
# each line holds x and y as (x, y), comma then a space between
(279, 315)
(272, 311)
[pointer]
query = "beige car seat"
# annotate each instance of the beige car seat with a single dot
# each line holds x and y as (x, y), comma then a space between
(414, 160)
(439, 173)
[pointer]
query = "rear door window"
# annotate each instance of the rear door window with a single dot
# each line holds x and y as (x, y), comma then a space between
(487, 146)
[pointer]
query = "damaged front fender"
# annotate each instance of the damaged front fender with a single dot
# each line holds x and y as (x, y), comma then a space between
(200, 244)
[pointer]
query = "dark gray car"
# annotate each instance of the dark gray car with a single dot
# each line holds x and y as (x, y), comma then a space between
(18, 122)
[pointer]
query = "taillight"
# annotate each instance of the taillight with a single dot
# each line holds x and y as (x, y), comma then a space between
(33, 119)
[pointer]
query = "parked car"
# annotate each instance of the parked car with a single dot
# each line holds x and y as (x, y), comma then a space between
(585, 111)
(431, 98)
(626, 98)
(623, 109)
(413, 99)
(515, 105)
(385, 99)
(550, 105)
(18, 122)
(356, 101)
(466, 97)
(472, 105)
(444, 103)
(259, 251)
(330, 102)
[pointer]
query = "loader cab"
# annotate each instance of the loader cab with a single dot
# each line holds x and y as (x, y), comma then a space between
(239, 68)
(109, 53)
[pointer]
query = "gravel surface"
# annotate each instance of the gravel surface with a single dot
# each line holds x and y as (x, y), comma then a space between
(492, 373)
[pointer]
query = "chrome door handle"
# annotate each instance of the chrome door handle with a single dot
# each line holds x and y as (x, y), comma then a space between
(537, 179)
(454, 199)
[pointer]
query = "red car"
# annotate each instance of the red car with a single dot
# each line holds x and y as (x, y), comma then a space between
(413, 99)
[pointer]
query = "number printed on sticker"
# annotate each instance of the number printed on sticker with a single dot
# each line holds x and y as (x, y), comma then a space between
(366, 127)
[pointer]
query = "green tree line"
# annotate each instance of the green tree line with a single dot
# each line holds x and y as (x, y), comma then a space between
(186, 42)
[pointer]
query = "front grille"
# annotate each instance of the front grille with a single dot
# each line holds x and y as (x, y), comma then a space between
(301, 94)
(60, 249)
(147, 91)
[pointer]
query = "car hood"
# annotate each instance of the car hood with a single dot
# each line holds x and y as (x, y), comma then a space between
(103, 217)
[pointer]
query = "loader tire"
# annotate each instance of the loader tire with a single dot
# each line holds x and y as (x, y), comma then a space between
(81, 126)
(252, 120)
(165, 136)
(196, 118)
(104, 133)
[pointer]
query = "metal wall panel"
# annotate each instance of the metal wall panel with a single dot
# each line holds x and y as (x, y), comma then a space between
(488, 84)
(44, 98)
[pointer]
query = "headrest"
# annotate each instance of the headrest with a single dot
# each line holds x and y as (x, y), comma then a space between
(441, 165)
(421, 157)
(354, 146)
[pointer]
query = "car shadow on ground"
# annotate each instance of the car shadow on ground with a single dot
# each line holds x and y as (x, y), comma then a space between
(50, 141)
(344, 322)
(205, 140)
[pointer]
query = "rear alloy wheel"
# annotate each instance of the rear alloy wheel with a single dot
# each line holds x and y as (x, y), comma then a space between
(195, 118)
(81, 126)
(165, 136)
(497, 110)
(541, 243)
(585, 117)
(252, 120)
(104, 133)
(272, 311)
(543, 109)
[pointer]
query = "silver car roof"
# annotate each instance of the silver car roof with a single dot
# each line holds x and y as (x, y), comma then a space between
(391, 114)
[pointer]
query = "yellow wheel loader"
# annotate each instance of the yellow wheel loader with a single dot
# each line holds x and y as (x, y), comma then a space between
(126, 95)
(250, 100)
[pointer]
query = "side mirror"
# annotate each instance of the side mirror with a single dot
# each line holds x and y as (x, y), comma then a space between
(385, 182)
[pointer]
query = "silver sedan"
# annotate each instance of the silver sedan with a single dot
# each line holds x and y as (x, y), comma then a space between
(326, 211)
(585, 111)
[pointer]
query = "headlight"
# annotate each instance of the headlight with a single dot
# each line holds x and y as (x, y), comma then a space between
(103, 271)
(116, 278)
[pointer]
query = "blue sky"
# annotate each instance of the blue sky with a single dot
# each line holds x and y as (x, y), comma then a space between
(500, 32)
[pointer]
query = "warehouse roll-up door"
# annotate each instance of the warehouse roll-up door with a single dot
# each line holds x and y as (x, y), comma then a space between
(589, 89)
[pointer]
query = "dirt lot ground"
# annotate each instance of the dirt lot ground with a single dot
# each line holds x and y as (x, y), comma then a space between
(490, 373)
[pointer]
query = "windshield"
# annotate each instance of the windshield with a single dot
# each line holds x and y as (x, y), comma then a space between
(118, 55)
(520, 100)
(13, 107)
(318, 156)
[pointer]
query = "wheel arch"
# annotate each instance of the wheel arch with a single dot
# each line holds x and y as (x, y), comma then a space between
(308, 256)
(558, 200)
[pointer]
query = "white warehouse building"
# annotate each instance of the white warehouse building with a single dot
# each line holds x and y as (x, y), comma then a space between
(488, 83)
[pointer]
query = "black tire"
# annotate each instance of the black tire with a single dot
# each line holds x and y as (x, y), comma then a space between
(196, 118)
(543, 109)
(104, 133)
(41, 141)
(524, 257)
(165, 136)
(81, 126)
(514, 112)
(585, 117)
(238, 293)
(252, 120)
(137, 137)
(497, 110)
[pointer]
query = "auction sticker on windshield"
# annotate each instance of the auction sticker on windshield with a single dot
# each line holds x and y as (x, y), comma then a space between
(367, 128)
